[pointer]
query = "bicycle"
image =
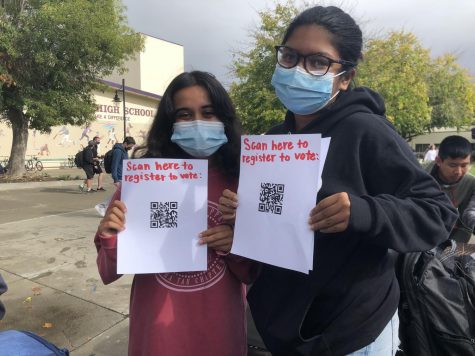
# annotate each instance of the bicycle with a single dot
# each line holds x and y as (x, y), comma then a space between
(34, 163)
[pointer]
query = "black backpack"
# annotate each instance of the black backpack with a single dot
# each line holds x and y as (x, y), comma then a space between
(108, 161)
(437, 306)
(79, 159)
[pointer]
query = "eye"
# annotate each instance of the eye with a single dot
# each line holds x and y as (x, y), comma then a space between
(209, 113)
(317, 63)
(183, 115)
(287, 57)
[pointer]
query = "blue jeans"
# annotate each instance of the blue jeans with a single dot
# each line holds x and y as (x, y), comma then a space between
(386, 344)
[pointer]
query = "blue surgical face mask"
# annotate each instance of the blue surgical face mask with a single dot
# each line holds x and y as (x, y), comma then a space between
(301, 92)
(199, 138)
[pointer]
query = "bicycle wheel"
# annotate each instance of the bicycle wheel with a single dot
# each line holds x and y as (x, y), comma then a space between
(39, 166)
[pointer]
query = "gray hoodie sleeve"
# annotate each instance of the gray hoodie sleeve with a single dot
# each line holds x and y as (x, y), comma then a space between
(468, 216)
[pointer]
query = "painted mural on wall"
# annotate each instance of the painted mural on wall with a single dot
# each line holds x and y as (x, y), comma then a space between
(66, 140)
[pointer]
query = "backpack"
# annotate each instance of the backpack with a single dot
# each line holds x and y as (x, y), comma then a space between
(108, 161)
(79, 159)
(437, 305)
(26, 343)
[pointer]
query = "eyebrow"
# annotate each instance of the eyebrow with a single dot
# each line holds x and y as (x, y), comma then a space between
(313, 53)
(202, 107)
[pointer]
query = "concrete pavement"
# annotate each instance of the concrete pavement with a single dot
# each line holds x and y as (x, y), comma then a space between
(47, 258)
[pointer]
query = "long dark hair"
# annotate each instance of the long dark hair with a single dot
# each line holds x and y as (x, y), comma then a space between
(159, 145)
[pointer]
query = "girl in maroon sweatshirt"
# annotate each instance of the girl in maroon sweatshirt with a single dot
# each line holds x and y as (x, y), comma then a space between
(192, 313)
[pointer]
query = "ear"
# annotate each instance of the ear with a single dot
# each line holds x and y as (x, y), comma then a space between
(438, 161)
(346, 79)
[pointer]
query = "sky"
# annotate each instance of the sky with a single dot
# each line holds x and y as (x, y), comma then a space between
(212, 30)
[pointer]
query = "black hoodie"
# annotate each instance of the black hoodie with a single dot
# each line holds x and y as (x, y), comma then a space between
(352, 292)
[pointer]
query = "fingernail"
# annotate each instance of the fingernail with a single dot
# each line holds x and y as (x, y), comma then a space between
(201, 242)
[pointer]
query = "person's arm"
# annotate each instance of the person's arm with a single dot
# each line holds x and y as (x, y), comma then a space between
(404, 208)
(116, 160)
(396, 205)
(468, 215)
(107, 257)
(106, 239)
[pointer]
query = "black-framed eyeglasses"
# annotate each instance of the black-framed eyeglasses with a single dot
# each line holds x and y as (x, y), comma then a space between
(316, 64)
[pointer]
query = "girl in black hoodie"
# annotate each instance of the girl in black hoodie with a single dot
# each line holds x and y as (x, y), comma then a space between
(375, 199)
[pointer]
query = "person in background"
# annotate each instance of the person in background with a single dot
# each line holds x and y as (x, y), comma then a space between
(119, 153)
(97, 163)
(451, 170)
(204, 314)
(112, 137)
(375, 199)
(88, 167)
(96, 166)
(430, 154)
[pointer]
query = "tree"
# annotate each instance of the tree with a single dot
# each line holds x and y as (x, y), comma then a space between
(253, 95)
(396, 67)
(52, 53)
(420, 93)
(451, 94)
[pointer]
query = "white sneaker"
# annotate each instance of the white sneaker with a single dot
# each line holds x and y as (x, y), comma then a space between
(81, 187)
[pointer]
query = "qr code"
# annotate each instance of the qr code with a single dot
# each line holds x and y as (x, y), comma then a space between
(271, 198)
(164, 215)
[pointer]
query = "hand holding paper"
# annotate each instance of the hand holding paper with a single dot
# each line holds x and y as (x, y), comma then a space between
(332, 214)
(219, 238)
(114, 219)
(228, 204)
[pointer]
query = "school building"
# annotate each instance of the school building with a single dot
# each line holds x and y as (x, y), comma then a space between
(420, 144)
(148, 75)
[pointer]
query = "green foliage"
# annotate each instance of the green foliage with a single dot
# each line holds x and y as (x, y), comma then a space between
(396, 67)
(420, 93)
(53, 51)
(256, 103)
(451, 93)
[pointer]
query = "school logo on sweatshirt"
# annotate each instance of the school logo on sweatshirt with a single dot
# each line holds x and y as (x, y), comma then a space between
(194, 281)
